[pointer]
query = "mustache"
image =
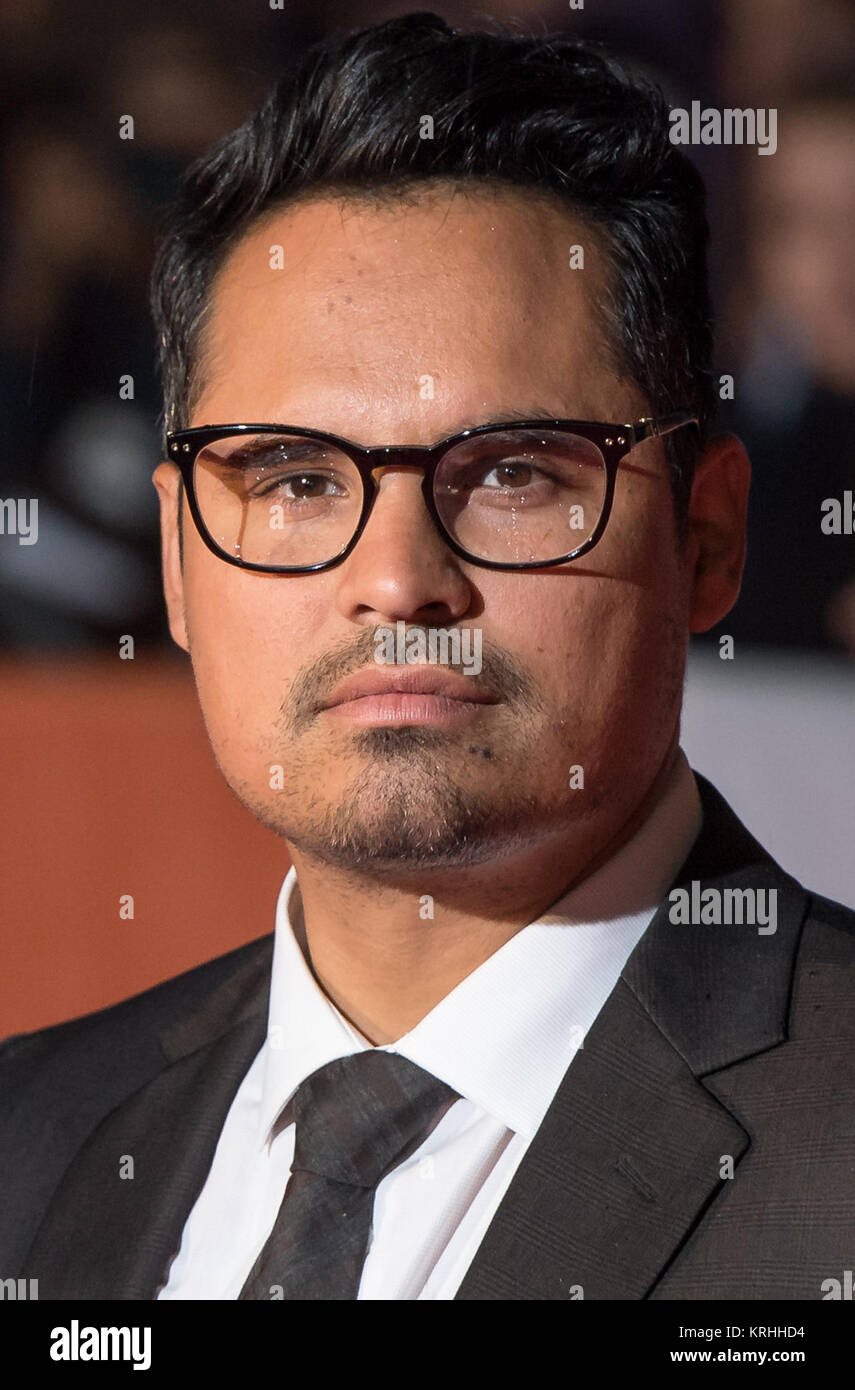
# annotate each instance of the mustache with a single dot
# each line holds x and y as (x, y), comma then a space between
(313, 684)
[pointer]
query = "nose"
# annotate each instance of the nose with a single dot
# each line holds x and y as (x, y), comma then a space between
(401, 567)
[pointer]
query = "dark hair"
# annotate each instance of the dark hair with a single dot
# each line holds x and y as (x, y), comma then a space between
(548, 114)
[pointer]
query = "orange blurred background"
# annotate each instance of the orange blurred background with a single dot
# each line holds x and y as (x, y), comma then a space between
(110, 788)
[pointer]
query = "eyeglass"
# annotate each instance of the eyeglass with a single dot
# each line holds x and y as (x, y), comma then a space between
(285, 500)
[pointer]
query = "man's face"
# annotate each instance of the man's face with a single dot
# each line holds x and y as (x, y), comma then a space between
(473, 291)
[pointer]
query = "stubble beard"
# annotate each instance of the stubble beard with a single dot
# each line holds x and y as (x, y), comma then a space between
(413, 803)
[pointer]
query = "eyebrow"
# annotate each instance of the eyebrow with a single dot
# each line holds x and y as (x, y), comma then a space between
(505, 417)
(509, 417)
(535, 412)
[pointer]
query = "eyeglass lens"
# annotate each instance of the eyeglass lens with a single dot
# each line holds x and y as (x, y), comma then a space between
(514, 497)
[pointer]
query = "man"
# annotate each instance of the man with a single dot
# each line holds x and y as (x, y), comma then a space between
(539, 1019)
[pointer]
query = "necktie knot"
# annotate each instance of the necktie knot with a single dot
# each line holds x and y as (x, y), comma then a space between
(358, 1116)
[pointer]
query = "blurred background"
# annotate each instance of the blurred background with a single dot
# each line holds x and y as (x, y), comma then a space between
(108, 785)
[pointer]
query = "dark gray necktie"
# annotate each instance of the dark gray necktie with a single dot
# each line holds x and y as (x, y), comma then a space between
(355, 1120)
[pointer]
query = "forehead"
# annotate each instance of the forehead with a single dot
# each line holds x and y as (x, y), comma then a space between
(427, 296)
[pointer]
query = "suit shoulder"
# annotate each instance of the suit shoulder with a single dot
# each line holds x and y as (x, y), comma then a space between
(829, 931)
(57, 1084)
(832, 914)
(129, 1022)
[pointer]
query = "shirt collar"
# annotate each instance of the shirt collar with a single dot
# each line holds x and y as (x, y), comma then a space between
(504, 1037)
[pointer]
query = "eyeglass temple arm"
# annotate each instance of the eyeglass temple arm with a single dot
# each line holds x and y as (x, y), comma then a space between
(652, 427)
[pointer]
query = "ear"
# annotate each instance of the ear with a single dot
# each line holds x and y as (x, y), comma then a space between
(716, 538)
(165, 478)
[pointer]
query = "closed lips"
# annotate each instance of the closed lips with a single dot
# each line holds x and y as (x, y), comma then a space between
(409, 682)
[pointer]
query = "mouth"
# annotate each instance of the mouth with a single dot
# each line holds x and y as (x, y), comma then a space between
(414, 696)
(401, 707)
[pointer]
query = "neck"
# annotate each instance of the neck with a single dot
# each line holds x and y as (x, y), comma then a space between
(387, 950)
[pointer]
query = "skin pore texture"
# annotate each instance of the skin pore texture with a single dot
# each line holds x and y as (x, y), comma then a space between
(472, 288)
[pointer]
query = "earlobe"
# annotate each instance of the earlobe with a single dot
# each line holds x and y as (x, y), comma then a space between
(717, 521)
(166, 478)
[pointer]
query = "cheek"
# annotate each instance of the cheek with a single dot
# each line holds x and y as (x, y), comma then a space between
(248, 637)
(601, 639)
(576, 633)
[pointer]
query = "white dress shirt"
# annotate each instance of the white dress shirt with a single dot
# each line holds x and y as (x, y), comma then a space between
(503, 1039)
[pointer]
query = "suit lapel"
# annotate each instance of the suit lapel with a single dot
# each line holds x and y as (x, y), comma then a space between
(631, 1150)
(626, 1158)
(169, 1128)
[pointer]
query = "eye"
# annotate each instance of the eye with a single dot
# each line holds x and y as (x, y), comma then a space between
(301, 486)
(510, 474)
(503, 475)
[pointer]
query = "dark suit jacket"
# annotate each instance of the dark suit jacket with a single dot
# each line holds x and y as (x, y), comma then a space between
(718, 1050)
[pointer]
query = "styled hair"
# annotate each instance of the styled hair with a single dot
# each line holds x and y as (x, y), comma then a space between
(546, 114)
